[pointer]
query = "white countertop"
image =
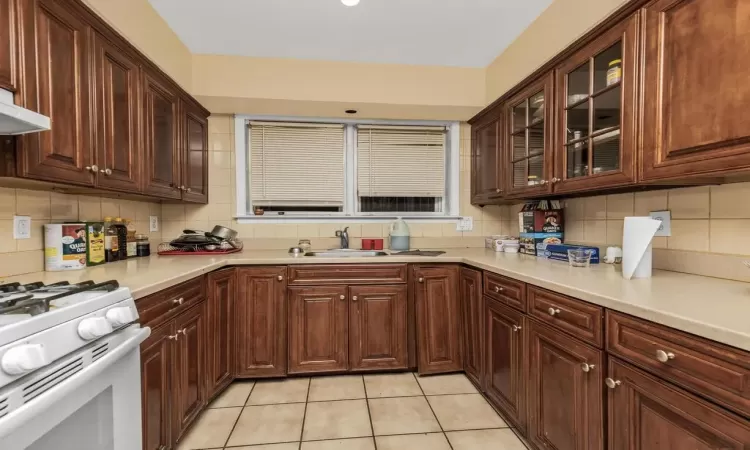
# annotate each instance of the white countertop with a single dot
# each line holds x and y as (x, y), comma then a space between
(713, 308)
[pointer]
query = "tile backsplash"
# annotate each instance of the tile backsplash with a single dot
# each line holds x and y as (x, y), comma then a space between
(27, 255)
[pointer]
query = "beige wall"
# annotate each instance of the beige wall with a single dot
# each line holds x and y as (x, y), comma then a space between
(557, 27)
(139, 22)
(26, 255)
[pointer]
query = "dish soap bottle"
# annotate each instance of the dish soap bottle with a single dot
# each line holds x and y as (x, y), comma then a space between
(399, 235)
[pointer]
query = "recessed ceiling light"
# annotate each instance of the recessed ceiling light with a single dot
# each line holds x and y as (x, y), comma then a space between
(350, 2)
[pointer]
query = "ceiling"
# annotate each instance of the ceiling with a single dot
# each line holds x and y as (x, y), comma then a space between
(461, 33)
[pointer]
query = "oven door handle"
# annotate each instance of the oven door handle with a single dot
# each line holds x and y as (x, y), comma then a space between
(28, 411)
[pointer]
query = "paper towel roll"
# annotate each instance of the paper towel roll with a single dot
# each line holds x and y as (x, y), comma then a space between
(637, 235)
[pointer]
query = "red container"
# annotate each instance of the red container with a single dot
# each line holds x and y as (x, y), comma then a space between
(377, 244)
(368, 244)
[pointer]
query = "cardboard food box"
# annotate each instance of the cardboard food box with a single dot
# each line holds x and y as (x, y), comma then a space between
(536, 243)
(541, 221)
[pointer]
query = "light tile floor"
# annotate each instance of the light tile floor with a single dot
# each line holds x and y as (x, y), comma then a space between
(352, 412)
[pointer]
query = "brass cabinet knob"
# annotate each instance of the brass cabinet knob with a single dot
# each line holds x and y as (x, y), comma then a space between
(342, 297)
(174, 336)
(178, 301)
(421, 280)
(612, 383)
(354, 298)
(553, 311)
(587, 367)
(106, 171)
(280, 278)
(555, 180)
(93, 168)
(543, 182)
(516, 328)
(663, 356)
(499, 289)
(498, 190)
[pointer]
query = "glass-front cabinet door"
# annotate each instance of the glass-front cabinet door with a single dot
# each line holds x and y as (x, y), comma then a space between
(596, 100)
(529, 134)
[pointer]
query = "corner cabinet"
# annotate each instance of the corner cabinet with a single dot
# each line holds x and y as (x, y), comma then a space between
(486, 162)
(695, 89)
(596, 140)
(8, 44)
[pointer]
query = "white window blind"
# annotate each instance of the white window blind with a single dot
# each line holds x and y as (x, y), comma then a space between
(400, 161)
(296, 164)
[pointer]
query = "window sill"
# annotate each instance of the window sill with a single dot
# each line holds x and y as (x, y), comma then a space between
(343, 219)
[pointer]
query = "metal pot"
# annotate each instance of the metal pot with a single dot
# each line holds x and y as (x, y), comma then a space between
(223, 233)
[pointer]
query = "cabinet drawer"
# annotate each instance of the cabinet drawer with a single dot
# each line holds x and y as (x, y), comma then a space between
(708, 368)
(506, 290)
(347, 274)
(157, 308)
(580, 319)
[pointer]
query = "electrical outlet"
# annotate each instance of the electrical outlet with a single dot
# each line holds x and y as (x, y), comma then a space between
(465, 224)
(153, 223)
(21, 227)
(665, 229)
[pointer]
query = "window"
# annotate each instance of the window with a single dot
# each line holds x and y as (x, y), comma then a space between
(346, 169)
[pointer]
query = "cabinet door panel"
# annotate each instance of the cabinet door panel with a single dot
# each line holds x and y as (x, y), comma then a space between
(318, 321)
(377, 330)
(565, 401)
(472, 305)
(8, 42)
(160, 131)
(438, 319)
(220, 349)
(118, 140)
(157, 359)
(505, 379)
(261, 322)
(194, 154)
(646, 413)
(486, 154)
(693, 124)
(57, 84)
(189, 379)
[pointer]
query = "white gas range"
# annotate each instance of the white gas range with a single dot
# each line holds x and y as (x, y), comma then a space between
(69, 367)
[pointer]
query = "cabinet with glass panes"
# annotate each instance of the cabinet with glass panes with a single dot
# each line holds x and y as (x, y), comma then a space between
(595, 145)
(529, 161)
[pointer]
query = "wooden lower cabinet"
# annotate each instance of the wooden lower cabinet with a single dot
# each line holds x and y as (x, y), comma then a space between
(647, 413)
(261, 322)
(565, 391)
(318, 329)
(377, 327)
(505, 377)
(472, 308)
(220, 348)
(157, 356)
(438, 319)
(189, 376)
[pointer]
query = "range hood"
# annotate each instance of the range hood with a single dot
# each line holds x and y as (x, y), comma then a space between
(17, 120)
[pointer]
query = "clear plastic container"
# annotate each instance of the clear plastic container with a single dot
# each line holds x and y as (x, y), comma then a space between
(579, 257)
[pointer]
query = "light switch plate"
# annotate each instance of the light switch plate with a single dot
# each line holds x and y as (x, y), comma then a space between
(666, 222)
(21, 227)
(465, 224)
(153, 223)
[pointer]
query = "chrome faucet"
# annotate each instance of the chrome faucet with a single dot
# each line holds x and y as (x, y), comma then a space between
(344, 235)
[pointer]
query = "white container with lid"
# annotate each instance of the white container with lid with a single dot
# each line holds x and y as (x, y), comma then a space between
(399, 235)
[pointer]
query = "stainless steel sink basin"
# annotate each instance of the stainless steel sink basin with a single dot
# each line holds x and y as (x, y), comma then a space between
(346, 253)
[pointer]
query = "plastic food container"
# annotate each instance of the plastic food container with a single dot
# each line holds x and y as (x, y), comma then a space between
(579, 257)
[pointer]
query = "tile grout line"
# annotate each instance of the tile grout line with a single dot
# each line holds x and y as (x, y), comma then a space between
(304, 414)
(433, 411)
(369, 415)
(244, 405)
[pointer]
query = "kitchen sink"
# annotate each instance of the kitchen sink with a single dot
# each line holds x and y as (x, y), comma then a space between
(346, 253)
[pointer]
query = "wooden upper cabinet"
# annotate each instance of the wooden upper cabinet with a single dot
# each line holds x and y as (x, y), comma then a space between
(472, 308)
(646, 413)
(318, 327)
(220, 315)
(260, 322)
(56, 69)
(157, 356)
(596, 104)
(565, 391)
(160, 135)
(377, 327)
(8, 42)
(117, 92)
(506, 356)
(695, 88)
(189, 376)
(529, 140)
(194, 152)
(486, 162)
(438, 319)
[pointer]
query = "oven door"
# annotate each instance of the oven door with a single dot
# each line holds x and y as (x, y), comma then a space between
(98, 407)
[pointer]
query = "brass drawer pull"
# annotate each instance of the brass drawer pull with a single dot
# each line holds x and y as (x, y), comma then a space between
(499, 289)
(553, 311)
(178, 301)
(587, 367)
(516, 328)
(612, 383)
(663, 356)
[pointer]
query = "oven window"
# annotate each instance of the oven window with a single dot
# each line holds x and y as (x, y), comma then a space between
(89, 428)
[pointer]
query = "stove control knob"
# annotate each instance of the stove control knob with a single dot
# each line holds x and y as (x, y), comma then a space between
(94, 327)
(24, 359)
(120, 316)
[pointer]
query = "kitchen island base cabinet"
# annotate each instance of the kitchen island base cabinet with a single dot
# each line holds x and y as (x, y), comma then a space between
(505, 380)
(318, 329)
(438, 319)
(646, 413)
(261, 319)
(220, 348)
(377, 327)
(472, 306)
(565, 391)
